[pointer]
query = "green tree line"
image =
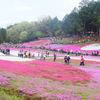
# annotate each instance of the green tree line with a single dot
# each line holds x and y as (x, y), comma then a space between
(84, 20)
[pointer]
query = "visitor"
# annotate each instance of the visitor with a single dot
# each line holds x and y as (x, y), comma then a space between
(38, 54)
(97, 53)
(54, 57)
(26, 54)
(92, 53)
(19, 53)
(68, 52)
(48, 54)
(76, 53)
(65, 59)
(22, 54)
(33, 55)
(68, 59)
(29, 54)
(79, 52)
(84, 53)
(82, 61)
(44, 56)
(41, 57)
(87, 53)
(8, 51)
(71, 51)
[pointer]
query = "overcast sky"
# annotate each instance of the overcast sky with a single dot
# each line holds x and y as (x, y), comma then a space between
(15, 11)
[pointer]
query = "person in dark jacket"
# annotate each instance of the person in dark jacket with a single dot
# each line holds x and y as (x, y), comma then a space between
(65, 59)
(68, 59)
(54, 57)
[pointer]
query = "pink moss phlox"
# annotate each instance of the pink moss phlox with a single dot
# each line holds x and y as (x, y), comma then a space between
(4, 80)
(52, 70)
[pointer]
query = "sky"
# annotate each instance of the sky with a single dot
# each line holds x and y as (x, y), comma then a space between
(16, 11)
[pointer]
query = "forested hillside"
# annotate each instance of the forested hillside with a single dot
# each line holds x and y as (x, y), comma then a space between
(82, 21)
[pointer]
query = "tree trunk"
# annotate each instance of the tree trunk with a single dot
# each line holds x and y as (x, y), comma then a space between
(99, 33)
(84, 29)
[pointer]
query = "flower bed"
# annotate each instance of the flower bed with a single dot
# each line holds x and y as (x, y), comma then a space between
(34, 88)
(49, 80)
(36, 43)
(45, 69)
(91, 47)
(3, 81)
(87, 47)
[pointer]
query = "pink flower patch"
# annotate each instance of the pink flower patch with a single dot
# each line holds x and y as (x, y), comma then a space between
(51, 70)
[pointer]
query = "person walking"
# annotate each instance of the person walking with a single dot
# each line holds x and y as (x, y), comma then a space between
(68, 59)
(54, 57)
(29, 54)
(26, 54)
(65, 59)
(82, 61)
(42, 55)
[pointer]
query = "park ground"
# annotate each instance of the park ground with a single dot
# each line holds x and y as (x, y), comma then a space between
(35, 79)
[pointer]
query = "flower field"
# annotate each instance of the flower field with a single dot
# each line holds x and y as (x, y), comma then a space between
(37, 88)
(49, 70)
(36, 43)
(89, 48)
(47, 80)
(76, 47)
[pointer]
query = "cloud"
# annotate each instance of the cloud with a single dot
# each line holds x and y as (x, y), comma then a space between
(23, 8)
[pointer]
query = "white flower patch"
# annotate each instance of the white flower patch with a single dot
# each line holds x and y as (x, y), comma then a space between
(92, 47)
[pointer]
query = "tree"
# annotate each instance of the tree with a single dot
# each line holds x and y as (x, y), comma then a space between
(39, 34)
(23, 36)
(2, 35)
(72, 24)
(90, 16)
(54, 26)
(83, 3)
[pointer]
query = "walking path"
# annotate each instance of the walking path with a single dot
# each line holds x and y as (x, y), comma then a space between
(14, 57)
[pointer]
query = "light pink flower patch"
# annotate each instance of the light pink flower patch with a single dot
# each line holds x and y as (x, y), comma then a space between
(73, 47)
(94, 97)
(95, 64)
(36, 43)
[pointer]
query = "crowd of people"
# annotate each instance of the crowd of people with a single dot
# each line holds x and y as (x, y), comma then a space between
(95, 53)
(28, 54)
(67, 59)
(77, 52)
(5, 51)
(25, 54)
(42, 55)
